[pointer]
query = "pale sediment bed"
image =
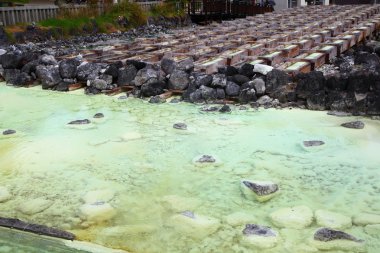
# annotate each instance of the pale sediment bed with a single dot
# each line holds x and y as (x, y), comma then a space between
(268, 60)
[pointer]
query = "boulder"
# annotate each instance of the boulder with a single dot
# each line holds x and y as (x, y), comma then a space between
(329, 239)
(137, 64)
(309, 83)
(12, 60)
(259, 85)
(68, 68)
(34, 206)
(337, 82)
(317, 101)
(9, 132)
(353, 124)
(168, 65)
(313, 143)
(49, 76)
(180, 126)
(99, 84)
(157, 100)
(262, 69)
(194, 225)
(333, 220)
(260, 191)
(373, 104)
(224, 109)
(30, 67)
(275, 79)
(152, 89)
(219, 80)
(5, 195)
(297, 217)
(232, 89)
(247, 95)
(113, 70)
(186, 65)
(62, 86)
(265, 100)
(261, 237)
(88, 71)
(200, 79)
(15, 77)
(363, 219)
(126, 75)
(146, 75)
(240, 79)
(97, 212)
(196, 96)
(370, 61)
(47, 59)
(179, 80)
(247, 70)
(231, 71)
(208, 93)
(359, 81)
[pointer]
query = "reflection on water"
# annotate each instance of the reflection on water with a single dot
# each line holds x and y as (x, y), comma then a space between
(125, 180)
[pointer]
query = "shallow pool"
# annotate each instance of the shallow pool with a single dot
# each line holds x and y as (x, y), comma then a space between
(123, 180)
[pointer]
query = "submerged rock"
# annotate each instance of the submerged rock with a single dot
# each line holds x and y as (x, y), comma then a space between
(97, 212)
(259, 236)
(181, 126)
(373, 230)
(178, 203)
(4, 194)
(353, 124)
(327, 234)
(34, 206)
(206, 159)
(258, 190)
(292, 217)
(225, 108)
(329, 219)
(98, 196)
(239, 218)
(194, 225)
(79, 122)
(313, 143)
(9, 132)
(329, 239)
(363, 219)
(99, 115)
(209, 109)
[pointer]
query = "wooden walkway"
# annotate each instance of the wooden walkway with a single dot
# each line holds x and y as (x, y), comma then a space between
(295, 40)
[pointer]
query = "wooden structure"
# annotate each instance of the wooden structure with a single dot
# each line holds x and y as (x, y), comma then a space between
(204, 11)
(294, 40)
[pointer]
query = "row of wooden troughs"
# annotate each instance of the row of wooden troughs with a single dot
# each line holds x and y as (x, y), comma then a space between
(295, 40)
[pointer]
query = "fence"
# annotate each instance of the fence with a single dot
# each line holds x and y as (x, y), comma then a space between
(36, 13)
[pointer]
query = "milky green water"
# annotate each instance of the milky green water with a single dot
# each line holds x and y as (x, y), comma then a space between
(135, 154)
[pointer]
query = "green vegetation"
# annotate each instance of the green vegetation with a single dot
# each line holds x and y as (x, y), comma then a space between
(88, 19)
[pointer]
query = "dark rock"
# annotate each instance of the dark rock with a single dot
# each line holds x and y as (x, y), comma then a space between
(275, 79)
(240, 79)
(202, 79)
(9, 132)
(196, 96)
(309, 83)
(186, 65)
(265, 100)
(49, 76)
(252, 229)
(62, 86)
(220, 94)
(12, 60)
(146, 75)
(179, 80)
(30, 67)
(231, 71)
(219, 80)
(190, 89)
(137, 64)
(113, 70)
(208, 94)
(88, 71)
(107, 78)
(247, 70)
(175, 101)
(126, 75)
(157, 100)
(232, 89)
(79, 122)
(313, 143)
(259, 85)
(90, 90)
(99, 84)
(247, 95)
(359, 81)
(261, 189)
(99, 115)
(47, 60)
(224, 109)
(337, 82)
(317, 101)
(373, 104)
(327, 234)
(354, 125)
(369, 60)
(206, 159)
(9, 74)
(68, 68)
(181, 126)
(209, 109)
(152, 89)
(168, 65)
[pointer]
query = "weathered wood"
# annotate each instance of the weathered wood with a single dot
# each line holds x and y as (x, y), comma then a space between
(35, 228)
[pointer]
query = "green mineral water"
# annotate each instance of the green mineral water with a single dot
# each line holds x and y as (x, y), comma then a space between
(130, 181)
